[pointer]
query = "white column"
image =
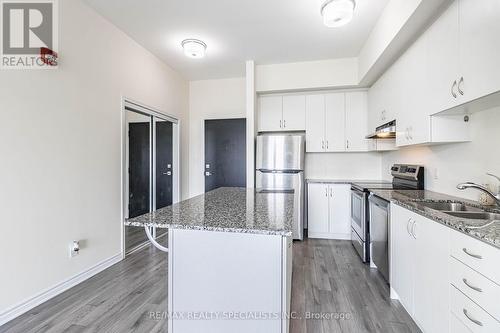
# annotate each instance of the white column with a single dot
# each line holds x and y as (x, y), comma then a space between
(250, 113)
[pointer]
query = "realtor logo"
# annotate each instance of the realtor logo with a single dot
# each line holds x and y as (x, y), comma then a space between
(29, 34)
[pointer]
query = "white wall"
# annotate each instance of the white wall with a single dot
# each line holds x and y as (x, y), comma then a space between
(321, 74)
(392, 20)
(355, 166)
(61, 148)
(456, 163)
(210, 99)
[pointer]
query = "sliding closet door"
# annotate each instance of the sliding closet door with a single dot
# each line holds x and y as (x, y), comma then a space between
(139, 173)
(164, 163)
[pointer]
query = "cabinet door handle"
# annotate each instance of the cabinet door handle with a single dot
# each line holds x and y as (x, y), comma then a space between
(280, 124)
(453, 89)
(322, 144)
(477, 256)
(475, 321)
(326, 144)
(331, 192)
(471, 286)
(347, 144)
(408, 226)
(284, 123)
(410, 130)
(326, 191)
(414, 235)
(459, 86)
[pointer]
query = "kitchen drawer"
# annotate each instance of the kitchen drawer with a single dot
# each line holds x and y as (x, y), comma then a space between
(479, 256)
(473, 316)
(481, 290)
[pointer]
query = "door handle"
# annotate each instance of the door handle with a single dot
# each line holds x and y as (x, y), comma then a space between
(280, 124)
(326, 191)
(460, 82)
(475, 321)
(326, 144)
(284, 123)
(413, 229)
(322, 144)
(471, 286)
(453, 89)
(477, 256)
(408, 226)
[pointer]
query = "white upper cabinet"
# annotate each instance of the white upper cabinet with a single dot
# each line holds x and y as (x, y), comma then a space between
(479, 47)
(413, 121)
(294, 113)
(335, 122)
(270, 113)
(463, 50)
(384, 97)
(356, 122)
(315, 123)
(282, 113)
(443, 61)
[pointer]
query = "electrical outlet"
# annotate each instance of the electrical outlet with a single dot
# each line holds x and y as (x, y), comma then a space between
(74, 248)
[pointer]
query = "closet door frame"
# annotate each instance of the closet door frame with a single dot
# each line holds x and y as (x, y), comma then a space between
(129, 105)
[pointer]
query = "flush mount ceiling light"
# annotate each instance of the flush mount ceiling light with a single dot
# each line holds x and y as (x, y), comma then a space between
(337, 13)
(194, 48)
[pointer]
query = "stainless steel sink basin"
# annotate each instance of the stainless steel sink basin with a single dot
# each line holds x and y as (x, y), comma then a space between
(461, 210)
(475, 215)
(450, 206)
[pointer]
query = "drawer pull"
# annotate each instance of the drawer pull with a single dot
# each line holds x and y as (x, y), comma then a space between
(472, 287)
(475, 321)
(477, 256)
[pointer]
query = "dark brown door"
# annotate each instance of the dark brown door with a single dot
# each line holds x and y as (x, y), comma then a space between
(225, 153)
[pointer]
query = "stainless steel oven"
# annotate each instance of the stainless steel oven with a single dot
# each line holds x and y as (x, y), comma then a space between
(359, 227)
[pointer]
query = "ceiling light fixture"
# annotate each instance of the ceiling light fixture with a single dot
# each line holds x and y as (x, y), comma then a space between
(337, 13)
(194, 48)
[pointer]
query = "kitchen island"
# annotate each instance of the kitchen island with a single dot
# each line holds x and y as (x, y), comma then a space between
(229, 260)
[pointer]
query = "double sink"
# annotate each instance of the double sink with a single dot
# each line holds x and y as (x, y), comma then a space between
(461, 210)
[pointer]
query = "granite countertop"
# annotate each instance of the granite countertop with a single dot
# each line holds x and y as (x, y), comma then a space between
(409, 199)
(226, 209)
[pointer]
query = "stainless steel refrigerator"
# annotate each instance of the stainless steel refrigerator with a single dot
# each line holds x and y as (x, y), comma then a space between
(280, 167)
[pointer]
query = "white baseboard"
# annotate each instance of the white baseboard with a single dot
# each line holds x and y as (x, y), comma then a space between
(326, 235)
(53, 291)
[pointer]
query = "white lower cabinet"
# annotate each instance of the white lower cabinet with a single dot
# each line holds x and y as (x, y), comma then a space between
(419, 273)
(446, 280)
(431, 274)
(328, 211)
(403, 249)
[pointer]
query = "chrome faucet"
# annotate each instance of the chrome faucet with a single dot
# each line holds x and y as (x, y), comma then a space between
(482, 188)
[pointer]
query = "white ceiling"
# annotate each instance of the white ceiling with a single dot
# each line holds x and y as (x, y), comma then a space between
(267, 31)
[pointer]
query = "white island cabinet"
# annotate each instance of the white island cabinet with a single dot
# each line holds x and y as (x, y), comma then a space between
(234, 282)
(229, 261)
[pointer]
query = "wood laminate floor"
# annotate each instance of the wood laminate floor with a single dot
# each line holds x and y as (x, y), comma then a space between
(135, 237)
(329, 281)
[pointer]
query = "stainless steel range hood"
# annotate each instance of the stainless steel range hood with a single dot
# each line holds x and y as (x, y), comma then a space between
(386, 131)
